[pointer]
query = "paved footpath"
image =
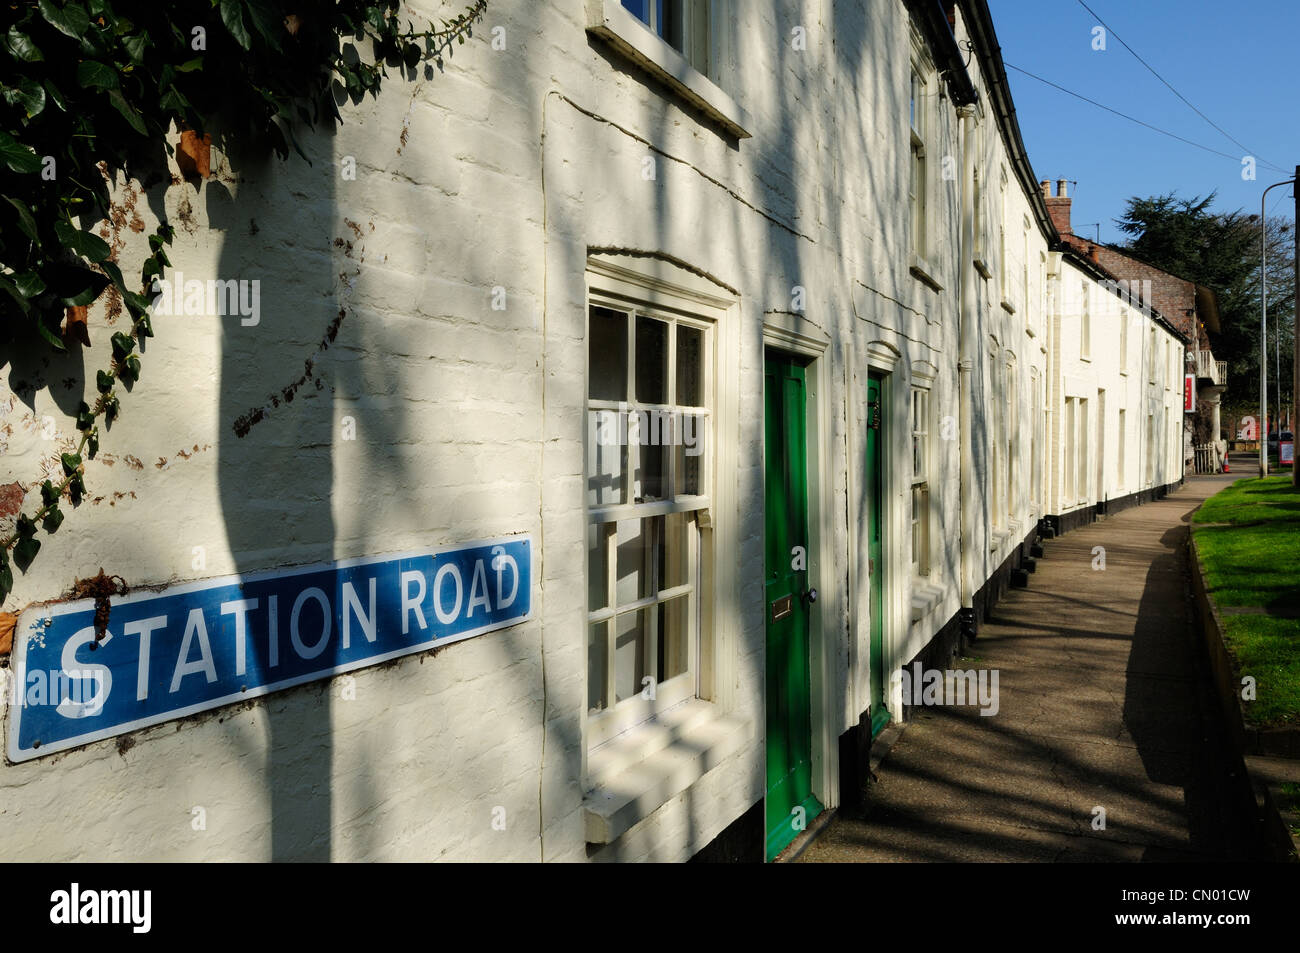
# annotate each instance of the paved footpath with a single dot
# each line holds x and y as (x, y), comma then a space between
(1105, 703)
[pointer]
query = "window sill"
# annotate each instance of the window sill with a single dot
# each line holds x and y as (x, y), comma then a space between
(632, 776)
(985, 272)
(925, 599)
(629, 36)
(1008, 307)
(921, 270)
(998, 538)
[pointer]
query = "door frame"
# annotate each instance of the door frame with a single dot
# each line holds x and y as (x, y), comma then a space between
(884, 358)
(796, 336)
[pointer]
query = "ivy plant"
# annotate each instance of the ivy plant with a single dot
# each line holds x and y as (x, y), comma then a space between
(92, 87)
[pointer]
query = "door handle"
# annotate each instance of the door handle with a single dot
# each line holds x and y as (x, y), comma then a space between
(809, 597)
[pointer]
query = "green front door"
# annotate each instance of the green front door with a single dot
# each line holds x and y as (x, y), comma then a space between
(875, 478)
(790, 801)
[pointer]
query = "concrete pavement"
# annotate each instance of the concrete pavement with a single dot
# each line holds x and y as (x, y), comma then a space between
(1105, 705)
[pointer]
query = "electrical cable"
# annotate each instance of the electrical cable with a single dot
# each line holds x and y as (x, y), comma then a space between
(1163, 132)
(1152, 70)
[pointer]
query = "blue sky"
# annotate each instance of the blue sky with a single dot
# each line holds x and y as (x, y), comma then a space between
(1235, 61)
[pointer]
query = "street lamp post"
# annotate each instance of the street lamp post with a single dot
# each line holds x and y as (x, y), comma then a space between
(1263, 332)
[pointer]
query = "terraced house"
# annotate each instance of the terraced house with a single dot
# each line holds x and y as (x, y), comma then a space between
(737, 338)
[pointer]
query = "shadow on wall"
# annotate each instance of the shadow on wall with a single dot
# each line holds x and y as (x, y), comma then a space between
(276, 440)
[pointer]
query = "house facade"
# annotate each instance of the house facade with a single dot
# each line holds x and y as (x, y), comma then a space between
(746, 325)
(1191, 309)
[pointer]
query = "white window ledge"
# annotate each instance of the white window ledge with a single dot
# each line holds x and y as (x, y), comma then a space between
(629, 36)
(998, 538)
(636, 773)
(921, 269)
(925, 599)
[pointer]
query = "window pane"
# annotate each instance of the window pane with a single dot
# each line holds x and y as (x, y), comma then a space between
(638, 542)
(607, 354)
(598, 565)
(597, 650)
(690, 366)
(651, 361)
(639, 9)
(690, 455)
(671, 658)
(631, 638)
(674, 555)
(651, 477)
(606, 458)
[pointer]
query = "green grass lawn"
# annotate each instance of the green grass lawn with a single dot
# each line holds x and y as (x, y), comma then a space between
(1255, 561)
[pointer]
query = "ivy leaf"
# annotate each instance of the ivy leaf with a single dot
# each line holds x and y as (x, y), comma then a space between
(130, 369)
(25, 551)
(11, 289)
(92, 443)
(129, 112)
(71, 20)
(174, 101)
(51, 338)
(79, 286)
(76, 488)
(267, 24)
(85, 417)
(96, 74)
(135, 46)
(233, 17)
(6, 576)
(103, 381)
(123, 344)
(29, 283)
(190, 65)
(26, 221)
(49, 495)
(114, 273)
(19, 157)
(92, 247)
(28, 94)
(70, 462)
(55, 96)
(21, 47)
(137, 304)
(53, 519)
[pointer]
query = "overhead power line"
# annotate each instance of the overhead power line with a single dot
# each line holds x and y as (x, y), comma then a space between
(1152, 70)
(1163, 132)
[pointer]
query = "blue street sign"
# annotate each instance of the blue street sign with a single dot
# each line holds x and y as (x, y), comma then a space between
(200, 645)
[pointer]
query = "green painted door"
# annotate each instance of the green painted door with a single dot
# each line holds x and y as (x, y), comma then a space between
(790, 801)
(875, 478)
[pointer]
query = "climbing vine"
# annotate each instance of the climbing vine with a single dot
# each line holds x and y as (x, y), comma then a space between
(94, 86)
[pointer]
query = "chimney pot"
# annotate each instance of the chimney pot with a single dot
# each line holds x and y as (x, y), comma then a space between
(1046, 186)
(1094, 253)
(1062, 188)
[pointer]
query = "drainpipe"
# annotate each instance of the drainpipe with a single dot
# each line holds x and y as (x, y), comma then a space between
(966, 350)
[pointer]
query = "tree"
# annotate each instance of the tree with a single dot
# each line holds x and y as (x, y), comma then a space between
(1221, 250)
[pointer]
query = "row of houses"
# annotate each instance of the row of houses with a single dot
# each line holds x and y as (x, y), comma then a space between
(747, 338)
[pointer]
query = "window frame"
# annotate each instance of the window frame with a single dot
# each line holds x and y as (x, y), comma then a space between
(918, 165)
(919, 482)
(1085, 322)
(632, 38)
(624, 289)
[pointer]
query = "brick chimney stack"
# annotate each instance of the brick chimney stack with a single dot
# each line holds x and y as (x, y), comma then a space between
(1058, 206)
